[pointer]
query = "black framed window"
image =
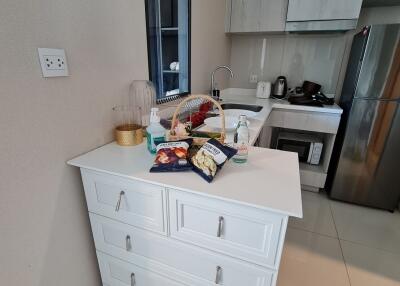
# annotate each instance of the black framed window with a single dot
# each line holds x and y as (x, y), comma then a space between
(168, 46)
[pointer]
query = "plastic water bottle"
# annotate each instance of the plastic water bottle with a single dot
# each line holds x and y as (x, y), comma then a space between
(241, 141)
(155, 131)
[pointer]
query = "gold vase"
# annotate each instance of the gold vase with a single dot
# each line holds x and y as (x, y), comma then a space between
(129, 134)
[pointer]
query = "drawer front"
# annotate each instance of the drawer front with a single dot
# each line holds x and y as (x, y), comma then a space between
(193, 265)
(300, 120)
(133, 202)
(235, 230)
(115, 272)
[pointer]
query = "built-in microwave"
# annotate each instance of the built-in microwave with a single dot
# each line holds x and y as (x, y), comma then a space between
(307, 146)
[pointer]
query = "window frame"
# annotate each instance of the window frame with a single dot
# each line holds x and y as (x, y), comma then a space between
(189, 54)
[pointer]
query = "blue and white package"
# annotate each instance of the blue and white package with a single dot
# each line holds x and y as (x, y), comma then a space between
(210, 158)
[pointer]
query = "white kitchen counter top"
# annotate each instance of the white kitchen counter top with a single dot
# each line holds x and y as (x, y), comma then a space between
(270, 179)
(247, 96)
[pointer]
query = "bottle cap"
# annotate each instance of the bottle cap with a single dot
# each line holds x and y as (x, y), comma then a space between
(243, 118)
(154, 117)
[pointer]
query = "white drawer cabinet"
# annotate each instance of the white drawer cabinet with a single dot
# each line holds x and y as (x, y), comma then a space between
(133, 202)
(239, 231)
(146, 234)
(312, 121)
(177, 258)
(115, 272)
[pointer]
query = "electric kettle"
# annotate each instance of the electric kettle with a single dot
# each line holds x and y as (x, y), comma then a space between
(280, 87)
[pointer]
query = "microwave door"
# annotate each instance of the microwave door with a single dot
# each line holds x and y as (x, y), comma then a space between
(300, 147)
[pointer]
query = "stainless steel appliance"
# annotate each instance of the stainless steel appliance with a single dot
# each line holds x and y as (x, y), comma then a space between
(280, 87)
(365, 165)
(308, 147)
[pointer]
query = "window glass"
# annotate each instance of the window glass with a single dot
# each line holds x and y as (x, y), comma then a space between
(168, 39)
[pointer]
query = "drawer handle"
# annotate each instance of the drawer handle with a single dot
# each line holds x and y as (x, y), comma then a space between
(218, 275)
(128, 243)
(220, 226)
(119, 200)
(133, 280)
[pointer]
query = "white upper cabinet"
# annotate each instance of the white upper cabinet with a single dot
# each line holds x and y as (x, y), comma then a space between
(322, 15)
(255, 15)
(291, 15)
(317, 10)
(273, 14)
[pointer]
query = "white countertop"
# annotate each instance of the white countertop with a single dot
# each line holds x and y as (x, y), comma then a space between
(248, 96)
(270, 179)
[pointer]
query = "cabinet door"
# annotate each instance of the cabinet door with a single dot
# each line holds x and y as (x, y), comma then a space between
(257, 15)
(273, 15)
(235, 230)
(116, 272)
(130, 201)
(245, 15)
(309, 10)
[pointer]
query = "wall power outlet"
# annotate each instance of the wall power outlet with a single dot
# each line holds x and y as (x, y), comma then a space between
(253, 78)
(53, 62)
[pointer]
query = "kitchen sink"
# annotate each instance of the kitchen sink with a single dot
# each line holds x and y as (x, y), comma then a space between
(254, 108)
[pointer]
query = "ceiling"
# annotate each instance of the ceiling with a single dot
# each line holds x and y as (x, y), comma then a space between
(377, 3)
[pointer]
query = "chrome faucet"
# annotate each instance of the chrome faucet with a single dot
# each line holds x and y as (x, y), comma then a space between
(213, 77)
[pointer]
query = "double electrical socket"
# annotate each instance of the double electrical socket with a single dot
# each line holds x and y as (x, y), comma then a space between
(53, 62)
(253, 78)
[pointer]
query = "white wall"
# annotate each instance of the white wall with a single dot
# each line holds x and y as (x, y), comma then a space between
(44, 230)
(210, 45)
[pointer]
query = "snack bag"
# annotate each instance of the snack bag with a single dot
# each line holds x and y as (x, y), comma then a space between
(172, 156)
(210, 158)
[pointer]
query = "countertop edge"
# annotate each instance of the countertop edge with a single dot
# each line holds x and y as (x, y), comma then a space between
(81, 166)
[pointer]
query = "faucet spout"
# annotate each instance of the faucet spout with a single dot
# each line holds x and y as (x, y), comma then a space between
(213, 76)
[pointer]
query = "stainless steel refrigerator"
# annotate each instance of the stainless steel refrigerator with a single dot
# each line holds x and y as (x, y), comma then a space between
(365, 166)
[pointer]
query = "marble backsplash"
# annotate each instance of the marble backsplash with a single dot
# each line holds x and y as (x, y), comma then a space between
(299, 57)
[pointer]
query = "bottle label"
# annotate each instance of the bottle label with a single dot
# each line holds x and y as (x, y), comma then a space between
(242, 149)
(152, 142)
(211, 150)
(181, 144)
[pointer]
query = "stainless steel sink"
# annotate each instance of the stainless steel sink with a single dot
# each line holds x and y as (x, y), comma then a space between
(254, 108)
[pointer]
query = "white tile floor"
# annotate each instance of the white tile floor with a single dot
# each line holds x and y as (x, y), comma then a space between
(341, 244)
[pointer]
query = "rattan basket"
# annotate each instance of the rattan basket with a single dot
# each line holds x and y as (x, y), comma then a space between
(190, 102)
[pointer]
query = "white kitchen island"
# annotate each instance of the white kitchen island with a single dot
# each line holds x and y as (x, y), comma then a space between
(176, 229)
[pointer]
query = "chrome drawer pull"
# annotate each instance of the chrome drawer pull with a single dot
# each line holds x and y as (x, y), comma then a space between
(220, 225)
(218, 275)
(119, 200)
(128, 243)
(133, 280)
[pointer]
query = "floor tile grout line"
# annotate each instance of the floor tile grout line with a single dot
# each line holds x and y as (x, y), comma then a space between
(356, 242)
(372, 247)
(340, 244)
(313, 232)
